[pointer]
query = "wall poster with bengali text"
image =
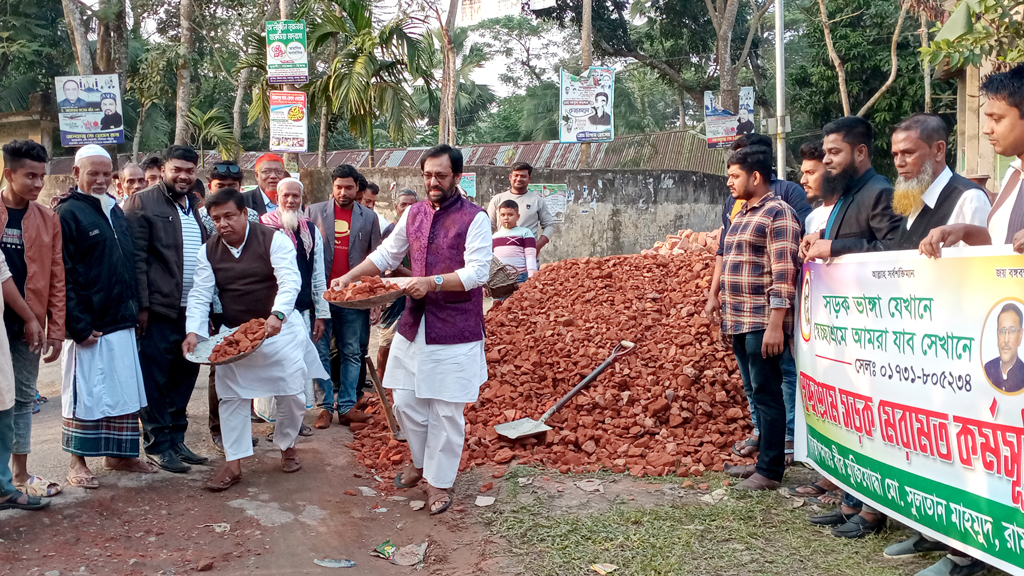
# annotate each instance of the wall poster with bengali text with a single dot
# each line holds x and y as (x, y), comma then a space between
(288, 123)
(721, 126)
(586, 106)
(911, 391)
(89, 110)
(556, 197)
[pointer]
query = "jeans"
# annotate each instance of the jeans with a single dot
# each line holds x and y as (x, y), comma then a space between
(788, 391)
(169, 380)
(26, 372)
(351, 330)
(325, 385)
(6, 441)
(766, 400)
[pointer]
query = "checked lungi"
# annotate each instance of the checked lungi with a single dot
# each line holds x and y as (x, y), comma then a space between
(113, 436)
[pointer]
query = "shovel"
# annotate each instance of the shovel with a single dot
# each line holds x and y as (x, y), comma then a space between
(529, 426)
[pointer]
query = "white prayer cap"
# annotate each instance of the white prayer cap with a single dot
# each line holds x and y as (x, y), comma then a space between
(90, 150)
(291, 180)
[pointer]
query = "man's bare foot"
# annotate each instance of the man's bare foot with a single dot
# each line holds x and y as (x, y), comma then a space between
(129, 465)
(439, 499)
(80, 476)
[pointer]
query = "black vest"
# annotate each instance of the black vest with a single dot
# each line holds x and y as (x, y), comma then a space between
(247, 284)
(929, 218)
(304, 301)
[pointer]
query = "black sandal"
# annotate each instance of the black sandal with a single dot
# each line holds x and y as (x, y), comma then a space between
(431, 500)
(400, 484)
(739, 447)
(31, 502)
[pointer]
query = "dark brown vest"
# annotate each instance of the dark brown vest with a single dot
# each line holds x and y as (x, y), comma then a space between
(247, 284)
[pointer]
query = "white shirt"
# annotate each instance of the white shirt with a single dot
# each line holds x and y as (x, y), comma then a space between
(267, 202)
(972, 207)
(818, 218)
(382, 221)
(321, 308)
(282, 257)
(1001, 217)
(477, 254)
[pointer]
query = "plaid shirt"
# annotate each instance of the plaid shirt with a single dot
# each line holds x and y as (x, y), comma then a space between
(760, 266)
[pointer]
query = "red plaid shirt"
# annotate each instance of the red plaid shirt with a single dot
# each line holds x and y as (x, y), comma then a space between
(760, 266)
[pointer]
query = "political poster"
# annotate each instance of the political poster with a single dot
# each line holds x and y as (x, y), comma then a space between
(556, 197)
(721, 126)
(288, 122)
(287, 57)
(468, 184)
(585, 106)
(89, 110)
(911, 391)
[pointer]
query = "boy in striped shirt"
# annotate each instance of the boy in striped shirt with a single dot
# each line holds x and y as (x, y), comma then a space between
(514, 245)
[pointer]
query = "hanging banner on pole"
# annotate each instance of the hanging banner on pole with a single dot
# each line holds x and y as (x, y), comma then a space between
(722, 126)
(288, 125)
(287, 57)
(912, 388)
(89, 110)
(585, 106)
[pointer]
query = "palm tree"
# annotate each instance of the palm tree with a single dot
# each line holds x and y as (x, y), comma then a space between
(367, 81)
(211, 127)
(471, 99)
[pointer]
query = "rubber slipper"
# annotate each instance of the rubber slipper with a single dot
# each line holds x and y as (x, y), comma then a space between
(818, 490)
(431, 500)
(305, 431)
(740, 447)
(39, 487)
(31, 503)
(400, 484)
(830, 498)
(87, 481)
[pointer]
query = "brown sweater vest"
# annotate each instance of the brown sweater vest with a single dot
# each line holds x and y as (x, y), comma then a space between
(247, 284)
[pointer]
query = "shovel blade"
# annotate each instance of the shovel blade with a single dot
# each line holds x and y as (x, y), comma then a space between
(520, 428)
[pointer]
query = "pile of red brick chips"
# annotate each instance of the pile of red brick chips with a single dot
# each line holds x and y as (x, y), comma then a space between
(675, 405)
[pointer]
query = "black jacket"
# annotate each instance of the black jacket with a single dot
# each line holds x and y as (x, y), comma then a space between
(865, 220)
(254, 200)
(99, 267)
(155, 220)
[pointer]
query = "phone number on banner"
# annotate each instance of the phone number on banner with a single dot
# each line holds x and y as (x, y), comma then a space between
(943, 379)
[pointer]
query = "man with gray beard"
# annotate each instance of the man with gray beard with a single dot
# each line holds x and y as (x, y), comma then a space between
(927, 193)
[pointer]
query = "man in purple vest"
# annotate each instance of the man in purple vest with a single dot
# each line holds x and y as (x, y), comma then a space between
(437, 359)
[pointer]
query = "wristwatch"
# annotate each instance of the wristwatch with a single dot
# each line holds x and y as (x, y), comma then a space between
(438, 280)
(280, 315)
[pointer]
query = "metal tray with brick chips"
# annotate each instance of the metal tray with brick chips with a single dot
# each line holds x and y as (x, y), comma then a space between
(203, 350)
(373, 301)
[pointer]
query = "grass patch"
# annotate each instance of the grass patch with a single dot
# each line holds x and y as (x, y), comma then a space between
(755, 535)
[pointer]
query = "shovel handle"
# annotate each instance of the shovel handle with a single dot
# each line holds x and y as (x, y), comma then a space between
(618, 351)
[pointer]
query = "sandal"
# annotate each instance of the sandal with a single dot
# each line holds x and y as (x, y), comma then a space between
(39, 487)
(222, 481)
(132, 465)
(399, 483)
(31, 502)
(808, 490)
(830, 498)
(790, 456)
(746, 448)
(87, 481)
(435, 495)
(305, 431)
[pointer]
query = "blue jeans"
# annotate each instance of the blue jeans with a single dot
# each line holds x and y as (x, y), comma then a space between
(788, 391)
(766, 399)
(325, 385)
(26, 372)
(352, 333)
(6, 442)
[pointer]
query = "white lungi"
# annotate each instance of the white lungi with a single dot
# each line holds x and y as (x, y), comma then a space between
(102, 380)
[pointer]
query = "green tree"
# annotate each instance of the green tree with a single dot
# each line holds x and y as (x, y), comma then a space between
(210, 128)
(33, 49)
(471, 99)
(978, 30)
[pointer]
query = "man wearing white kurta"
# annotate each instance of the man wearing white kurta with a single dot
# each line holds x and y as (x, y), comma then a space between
(437, 361)
(253, 269)
(102, 389)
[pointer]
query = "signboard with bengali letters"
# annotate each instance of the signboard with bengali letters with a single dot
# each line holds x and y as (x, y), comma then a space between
(912, 388)
(287, 56)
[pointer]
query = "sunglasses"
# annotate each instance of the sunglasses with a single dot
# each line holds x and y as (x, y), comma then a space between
(227, 169)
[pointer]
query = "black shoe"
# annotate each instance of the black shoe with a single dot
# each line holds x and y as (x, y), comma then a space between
(218, 443)
(859, 527)
(833, 518)
(189, 457)
(169, 461)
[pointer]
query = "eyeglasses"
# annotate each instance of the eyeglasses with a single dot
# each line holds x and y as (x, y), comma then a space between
(1008, 330)
(227, 169)
(271, 172)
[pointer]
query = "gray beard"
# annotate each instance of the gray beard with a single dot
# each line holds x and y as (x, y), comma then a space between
(290, 220)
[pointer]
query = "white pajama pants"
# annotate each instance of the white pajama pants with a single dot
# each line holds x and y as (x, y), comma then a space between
(436, 431)
(236, 424)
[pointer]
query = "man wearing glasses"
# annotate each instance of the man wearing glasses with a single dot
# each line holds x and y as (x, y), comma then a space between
(1007, 371)
(269, 171)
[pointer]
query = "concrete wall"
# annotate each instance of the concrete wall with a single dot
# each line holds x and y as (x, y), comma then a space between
(624, 211)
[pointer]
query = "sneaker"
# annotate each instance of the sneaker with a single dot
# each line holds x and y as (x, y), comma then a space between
(950, 567)
(859, 527)
(916, 544)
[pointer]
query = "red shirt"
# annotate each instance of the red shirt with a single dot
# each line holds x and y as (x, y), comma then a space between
(342, 226)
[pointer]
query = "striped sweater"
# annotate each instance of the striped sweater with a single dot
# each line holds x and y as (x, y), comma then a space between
(516, 247)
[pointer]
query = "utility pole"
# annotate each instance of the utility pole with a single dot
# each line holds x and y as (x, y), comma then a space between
(588, 61)
(780, 91)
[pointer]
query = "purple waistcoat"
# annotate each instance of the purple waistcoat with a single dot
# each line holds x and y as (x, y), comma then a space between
(437, 245)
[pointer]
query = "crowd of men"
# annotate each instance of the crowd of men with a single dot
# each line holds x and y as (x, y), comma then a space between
(770, 229)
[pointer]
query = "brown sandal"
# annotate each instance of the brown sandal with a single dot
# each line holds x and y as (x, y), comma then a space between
(290, 461)
(435, 495)
(222, 480)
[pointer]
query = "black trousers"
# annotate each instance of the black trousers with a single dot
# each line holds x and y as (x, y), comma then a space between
(169, 380)
(765, 378)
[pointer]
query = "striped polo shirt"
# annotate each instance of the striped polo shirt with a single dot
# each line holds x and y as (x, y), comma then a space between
(191, 242)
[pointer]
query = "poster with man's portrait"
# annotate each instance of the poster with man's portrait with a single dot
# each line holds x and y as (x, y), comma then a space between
(89, 110)
(586, 106)
(721, 125)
